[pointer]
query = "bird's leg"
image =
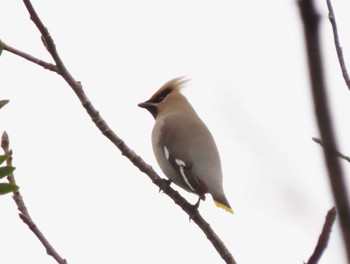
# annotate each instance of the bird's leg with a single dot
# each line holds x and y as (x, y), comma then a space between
(196, 205)
(195, 208)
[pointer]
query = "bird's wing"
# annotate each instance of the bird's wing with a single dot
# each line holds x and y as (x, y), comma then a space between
(177, 150)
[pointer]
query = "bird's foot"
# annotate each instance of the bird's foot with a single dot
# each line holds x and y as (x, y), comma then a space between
(164, 184)
(196, 205)
(195, 209)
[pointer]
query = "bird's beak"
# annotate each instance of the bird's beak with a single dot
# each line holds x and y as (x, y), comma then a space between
(146, 105)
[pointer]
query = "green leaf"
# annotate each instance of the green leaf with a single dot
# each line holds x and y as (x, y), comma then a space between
(7, 188)
(3, 102)
(3, 158)
(4, 171)
(1, 47)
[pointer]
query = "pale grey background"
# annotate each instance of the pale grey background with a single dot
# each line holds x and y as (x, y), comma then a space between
(249, 83)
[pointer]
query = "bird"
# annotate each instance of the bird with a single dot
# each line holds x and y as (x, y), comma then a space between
(183, 145)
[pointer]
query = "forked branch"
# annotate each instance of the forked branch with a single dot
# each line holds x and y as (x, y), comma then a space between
(310, 20)
(101, 124)
(22, 208)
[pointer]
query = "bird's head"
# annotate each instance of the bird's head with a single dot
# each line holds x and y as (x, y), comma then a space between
(166, 98)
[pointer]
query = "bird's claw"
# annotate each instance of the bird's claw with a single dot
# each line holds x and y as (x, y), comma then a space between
(165, 183)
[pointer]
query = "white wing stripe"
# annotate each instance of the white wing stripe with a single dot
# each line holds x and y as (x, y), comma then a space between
(166, 152)
(182, 165)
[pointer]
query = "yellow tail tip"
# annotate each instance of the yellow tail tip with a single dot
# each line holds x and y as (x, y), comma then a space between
(228, 209)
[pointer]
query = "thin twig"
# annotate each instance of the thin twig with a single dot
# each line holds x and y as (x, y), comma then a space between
(338, 47)
(335, 174)
(3, 103)
(24, 214)
(339, 154)
(46, 65)
(324, 237)
(45, 35)
(119, 143)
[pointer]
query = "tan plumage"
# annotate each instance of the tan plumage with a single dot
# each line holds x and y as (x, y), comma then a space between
(184, 147)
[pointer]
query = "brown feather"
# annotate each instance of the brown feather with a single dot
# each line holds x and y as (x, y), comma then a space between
(173, 85)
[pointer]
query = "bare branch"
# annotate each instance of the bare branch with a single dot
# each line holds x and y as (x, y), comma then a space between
(118, 142)
(324, 237)
(24, 214)
(3, 102)
(45, 35)
(312, 41)
(46, 65)
(339, 154)
(338, 47)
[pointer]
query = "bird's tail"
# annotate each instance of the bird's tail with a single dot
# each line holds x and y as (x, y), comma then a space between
(223, 203)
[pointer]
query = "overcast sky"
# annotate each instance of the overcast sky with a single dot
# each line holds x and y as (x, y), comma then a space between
(249, 83)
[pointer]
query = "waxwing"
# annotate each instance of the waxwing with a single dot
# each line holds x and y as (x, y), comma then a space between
(183, 146)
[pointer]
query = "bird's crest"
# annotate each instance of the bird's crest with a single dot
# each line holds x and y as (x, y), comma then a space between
(173, 85)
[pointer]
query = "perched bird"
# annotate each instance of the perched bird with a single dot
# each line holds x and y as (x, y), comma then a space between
(183, 146)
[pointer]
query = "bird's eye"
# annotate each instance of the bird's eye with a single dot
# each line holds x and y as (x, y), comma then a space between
(159, 98)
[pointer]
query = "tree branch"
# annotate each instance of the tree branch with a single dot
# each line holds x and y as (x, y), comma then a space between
(46, 65)
(338, 47)
(312, 41)
(45, 35)
(24, 214)
(324, 237)
(119, 143)
(3, 103)
(336, 152)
